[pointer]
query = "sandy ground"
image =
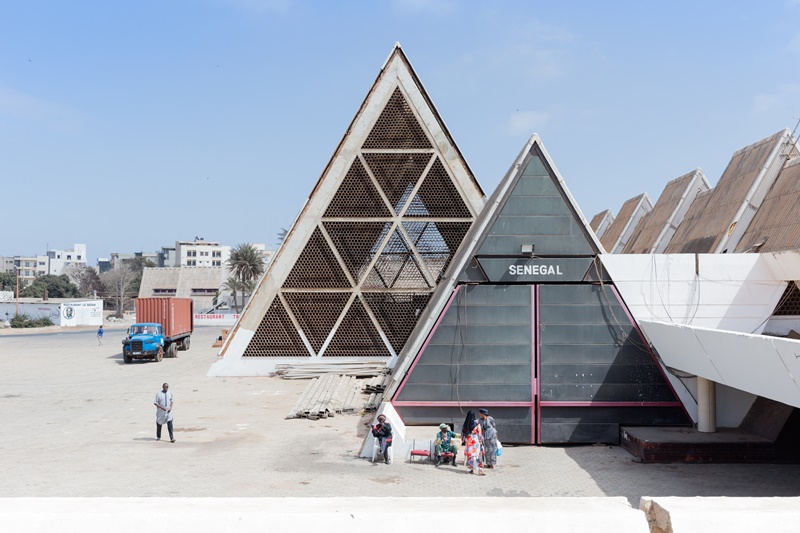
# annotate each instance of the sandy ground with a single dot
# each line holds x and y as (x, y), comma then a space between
(77, 421)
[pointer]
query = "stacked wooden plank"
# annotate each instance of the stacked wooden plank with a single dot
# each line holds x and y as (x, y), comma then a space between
(377, 384)
(359, 369)
(326, 396)
(221, 340)
(374, 401)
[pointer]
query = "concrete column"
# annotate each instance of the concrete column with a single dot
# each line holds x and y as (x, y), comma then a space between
(706, 405)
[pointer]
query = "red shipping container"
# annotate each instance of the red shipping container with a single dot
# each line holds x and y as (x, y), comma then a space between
(176, 315)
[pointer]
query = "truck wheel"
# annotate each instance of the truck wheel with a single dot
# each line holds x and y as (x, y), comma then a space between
(186, 343)
(172, 350)
(159, 354)
(127, 358)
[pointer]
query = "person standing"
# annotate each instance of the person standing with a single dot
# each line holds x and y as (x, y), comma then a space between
(100, 335)
(489, 429)
(383, 432)
(473, 450)
(164, 403)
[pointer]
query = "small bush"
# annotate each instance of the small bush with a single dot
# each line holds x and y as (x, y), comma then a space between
(25, 321)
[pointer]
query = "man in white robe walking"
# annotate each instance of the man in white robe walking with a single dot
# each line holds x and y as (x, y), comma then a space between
(164, 405)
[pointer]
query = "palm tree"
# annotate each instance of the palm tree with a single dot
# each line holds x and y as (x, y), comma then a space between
(246, 264)
(232, 284)
(282, 233)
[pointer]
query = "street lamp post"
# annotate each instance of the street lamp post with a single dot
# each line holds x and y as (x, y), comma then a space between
(16, 271)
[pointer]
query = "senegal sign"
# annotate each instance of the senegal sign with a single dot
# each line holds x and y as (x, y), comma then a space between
(535, 269)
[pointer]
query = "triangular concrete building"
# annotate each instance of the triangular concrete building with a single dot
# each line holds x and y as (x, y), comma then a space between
(373, 240)
(529, 325)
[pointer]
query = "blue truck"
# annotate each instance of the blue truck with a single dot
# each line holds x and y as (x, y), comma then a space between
(163, 326)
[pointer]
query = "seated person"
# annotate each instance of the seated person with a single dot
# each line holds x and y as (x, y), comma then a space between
(445, 443)
(383, 432)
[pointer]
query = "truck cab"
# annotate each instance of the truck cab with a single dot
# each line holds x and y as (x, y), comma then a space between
(144, 341)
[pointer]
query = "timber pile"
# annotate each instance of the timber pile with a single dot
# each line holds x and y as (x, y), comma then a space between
(360, 369)
(377, 384)
(374, 401)
(221, 340)
(326, 396)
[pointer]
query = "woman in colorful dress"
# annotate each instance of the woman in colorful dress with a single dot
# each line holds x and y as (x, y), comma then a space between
(473, 451)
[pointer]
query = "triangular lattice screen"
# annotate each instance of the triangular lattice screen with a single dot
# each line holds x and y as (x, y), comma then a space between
(391, 228)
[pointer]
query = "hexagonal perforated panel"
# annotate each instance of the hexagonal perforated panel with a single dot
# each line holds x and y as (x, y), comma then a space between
(397, 313)
(356, 336)
(397, 127)
(397, 174)
(436, 242)
(357, 243)
(276, 336)
(317, 267)
(316, 313)
(789, 304)
(438, 197)
(396, 268)
(357, 196)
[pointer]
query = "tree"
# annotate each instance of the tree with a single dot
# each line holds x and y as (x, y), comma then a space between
(282, 233)
(137, 266)
(86, 279)
(232, 284)
(246, 264)
(8, 281)
(56, 287)
(118, 283)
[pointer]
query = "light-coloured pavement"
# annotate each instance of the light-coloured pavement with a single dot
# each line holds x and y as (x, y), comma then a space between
(77, 421)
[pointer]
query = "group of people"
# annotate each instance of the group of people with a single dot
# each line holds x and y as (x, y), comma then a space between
(478, 436)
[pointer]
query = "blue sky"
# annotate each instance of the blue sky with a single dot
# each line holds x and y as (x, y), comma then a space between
(129, 125)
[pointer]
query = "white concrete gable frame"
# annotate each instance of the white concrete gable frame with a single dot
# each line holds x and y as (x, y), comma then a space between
(396, 74)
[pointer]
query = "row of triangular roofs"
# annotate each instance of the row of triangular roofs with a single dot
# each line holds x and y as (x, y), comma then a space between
(397, 255)
(754, 207)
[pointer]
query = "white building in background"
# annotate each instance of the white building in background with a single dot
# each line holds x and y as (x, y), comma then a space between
(201, 253)
(28, 267)
(60, 260)
(121, 258)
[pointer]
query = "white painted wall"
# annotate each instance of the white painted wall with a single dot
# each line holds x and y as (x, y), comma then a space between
(68, 314)
(755, 364)
(734, 292)
(220, 319)
(34, 310)
(86, 313)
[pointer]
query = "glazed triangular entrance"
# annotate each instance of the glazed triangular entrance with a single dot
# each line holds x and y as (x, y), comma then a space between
(531, 329)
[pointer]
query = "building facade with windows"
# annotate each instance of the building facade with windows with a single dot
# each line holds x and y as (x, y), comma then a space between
(60, 260)
(200, 253)
(202, 284)
(29, 267)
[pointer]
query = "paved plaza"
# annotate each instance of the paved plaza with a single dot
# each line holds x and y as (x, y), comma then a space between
(78, 422)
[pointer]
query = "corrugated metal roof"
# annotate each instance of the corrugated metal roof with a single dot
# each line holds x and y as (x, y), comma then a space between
(778, 218)
(650, 228)
(185, 281)
(695, 213)
(636, 236)
(613, 233)
(703, 234)
(598, 219)
(601, 222)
